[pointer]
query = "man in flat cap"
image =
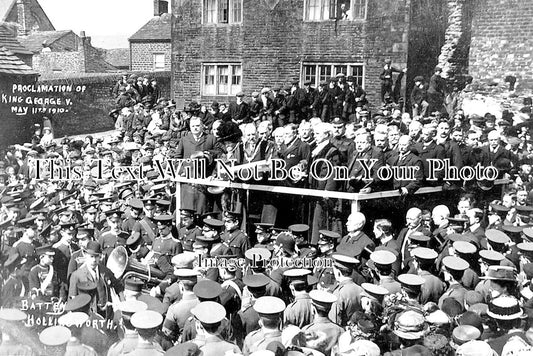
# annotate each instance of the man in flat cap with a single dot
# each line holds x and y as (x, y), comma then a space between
(239, 110)
(419, 103)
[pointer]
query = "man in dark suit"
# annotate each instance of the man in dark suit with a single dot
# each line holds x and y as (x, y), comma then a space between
(93, 271)
(408, 170)
(239, 110)
(418, 98)
(318, 179)
(496, 155)
(413, 220)
(364, 154)
(428, 149)
(345, 145)
(294, 152)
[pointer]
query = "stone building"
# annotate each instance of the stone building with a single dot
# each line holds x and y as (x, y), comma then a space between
(27, 14)
(220, 47)
(150, 47)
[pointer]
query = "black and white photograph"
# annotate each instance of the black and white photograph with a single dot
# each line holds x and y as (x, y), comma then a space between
(266, 177)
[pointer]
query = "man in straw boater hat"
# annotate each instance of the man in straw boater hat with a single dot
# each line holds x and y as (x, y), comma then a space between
(509, 316)
(410, 327)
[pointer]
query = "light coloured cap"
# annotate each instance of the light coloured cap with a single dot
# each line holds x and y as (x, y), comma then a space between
(475, 348)
(12, 314)
(383, 257)
(55, 335)
(147, 319)
(132, 306)
(265, 306)
(410, 279)
(209, 312)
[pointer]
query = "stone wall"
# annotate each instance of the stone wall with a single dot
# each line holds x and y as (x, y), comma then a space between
(273, 44)
(50, 63)
(453, 58)
(502, 41)
(87, 114)
(142, 54)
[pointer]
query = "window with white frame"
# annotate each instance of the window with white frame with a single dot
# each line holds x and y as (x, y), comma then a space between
(222, 11)
(159, 61)
(320, 72)
(221, 79)
(322, 10)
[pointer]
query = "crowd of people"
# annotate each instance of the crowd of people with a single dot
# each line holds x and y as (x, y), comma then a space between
(133, 266)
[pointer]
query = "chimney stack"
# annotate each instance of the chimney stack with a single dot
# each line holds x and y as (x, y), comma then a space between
(160, 7)
(23, 17)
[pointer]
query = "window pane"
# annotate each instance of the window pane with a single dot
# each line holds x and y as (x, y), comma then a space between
(236, 79)
(309, 74)
(341, 69)
(236, 75)
(324, 72)
(357, 72)
(211, 11)
(313, 9)
(359, 9)
(209, 80)
(324, 13)
(223, 80)
(159, 61)
(223, 11)
(236, 8)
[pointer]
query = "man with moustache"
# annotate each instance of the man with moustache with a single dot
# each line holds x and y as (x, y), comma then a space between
(361, 180)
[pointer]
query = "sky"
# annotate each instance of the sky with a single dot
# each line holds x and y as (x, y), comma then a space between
(109, 23)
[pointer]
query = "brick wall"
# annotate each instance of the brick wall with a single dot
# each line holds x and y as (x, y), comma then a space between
(87, 114)
(142, 54)
(272, 44)
(502, 39)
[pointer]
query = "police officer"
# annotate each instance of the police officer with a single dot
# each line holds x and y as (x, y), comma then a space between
(146, 227)
(210, 316)
(135, 210)
(382, 261)
(270, 311)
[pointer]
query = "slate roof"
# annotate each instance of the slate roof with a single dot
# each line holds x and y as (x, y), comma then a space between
(11, 64)
(34, 41)
(157, 29)
(118, 57)
(9, 41)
